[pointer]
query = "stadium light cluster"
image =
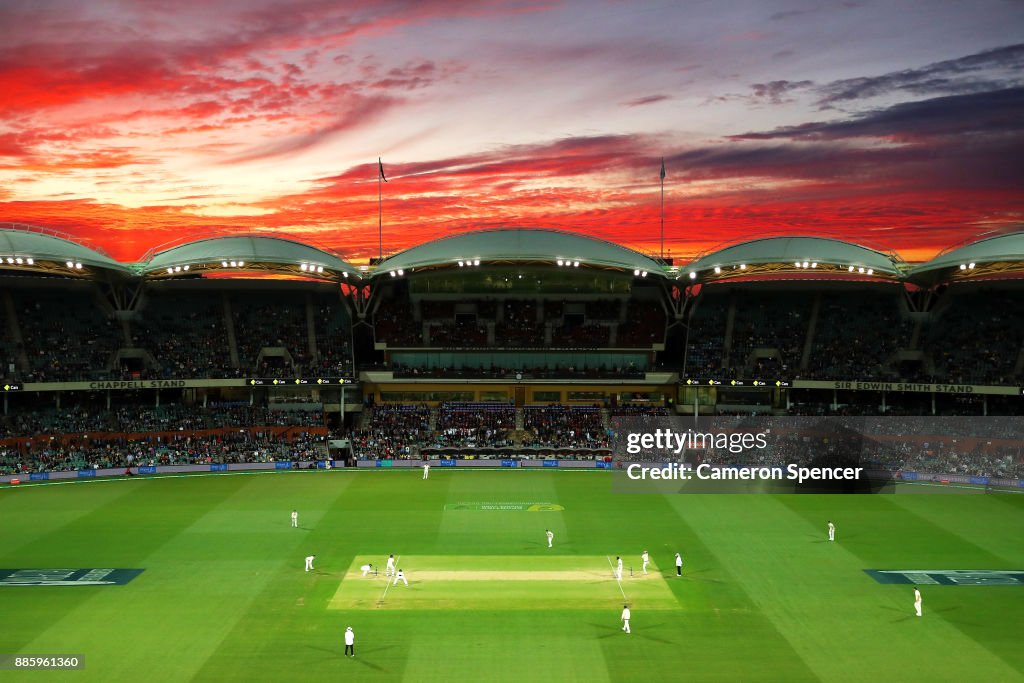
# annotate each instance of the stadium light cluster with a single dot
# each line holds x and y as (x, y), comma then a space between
(805, 264)
(311, 268)
(639, 273)
(967, 266)
(17, 260)
(397, 273)
(568, 263)
(177, 269)
(464, 263)
(232, 264)
(73, 265)
(861, 270)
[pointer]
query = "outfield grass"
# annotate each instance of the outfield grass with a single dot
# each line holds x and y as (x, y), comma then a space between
(764, 596)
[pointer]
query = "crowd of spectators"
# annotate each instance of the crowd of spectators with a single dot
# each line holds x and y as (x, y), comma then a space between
(83, 419)
(465, 425)
(266, 320)
(856, 335)
(519, 327)
(392, 431)
(766, 320)
(557, 426)
(66, 336)
(976, 338)
(185, 334)
(242, 447)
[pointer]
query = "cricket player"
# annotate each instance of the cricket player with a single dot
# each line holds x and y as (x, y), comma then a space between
(625, 618)
(426, 470)
(350, 642)
(917, 601)
(366, 569)
(646, 559)
(389, 570)
(400, 576)
(679, 565)
(831, 531)
(295, 519)
(309, 562)
(550, 536)
(618, 567)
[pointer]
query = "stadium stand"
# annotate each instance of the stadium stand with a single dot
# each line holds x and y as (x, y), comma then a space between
(527, 348)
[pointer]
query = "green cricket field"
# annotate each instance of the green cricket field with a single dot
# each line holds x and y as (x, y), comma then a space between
(219, 591)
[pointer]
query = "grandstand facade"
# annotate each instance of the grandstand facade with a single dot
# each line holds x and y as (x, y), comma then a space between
(493, 343)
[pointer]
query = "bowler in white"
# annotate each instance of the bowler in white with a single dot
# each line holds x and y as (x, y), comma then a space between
(646, 560)
(389, 570)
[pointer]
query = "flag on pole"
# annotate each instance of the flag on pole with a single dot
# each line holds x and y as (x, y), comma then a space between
(662, 168)
(385, 178)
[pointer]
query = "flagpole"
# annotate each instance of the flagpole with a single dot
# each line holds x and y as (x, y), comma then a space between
(380, 213)
(663, 208)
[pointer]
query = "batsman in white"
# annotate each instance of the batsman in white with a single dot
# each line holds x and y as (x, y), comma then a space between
(400, 576)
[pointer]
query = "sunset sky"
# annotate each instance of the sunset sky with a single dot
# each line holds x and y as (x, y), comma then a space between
(135, 124)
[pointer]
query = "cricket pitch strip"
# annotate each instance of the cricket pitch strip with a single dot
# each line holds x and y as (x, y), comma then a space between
(500, 582)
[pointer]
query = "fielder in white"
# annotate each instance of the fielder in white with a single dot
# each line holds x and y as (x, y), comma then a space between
(679, 565)
(618, 567)
(625, 618)
(917, 601)
(426, 470)
(831, 531)
(295, 519)
(390, 569)
(309, 562)
(646, 560)
(366, 569)
(550, 536)
(400, 576)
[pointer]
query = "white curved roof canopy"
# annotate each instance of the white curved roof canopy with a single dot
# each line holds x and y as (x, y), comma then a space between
(796, 249)
(521, 245)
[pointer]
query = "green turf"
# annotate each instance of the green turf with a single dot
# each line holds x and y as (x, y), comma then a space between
(764, 596)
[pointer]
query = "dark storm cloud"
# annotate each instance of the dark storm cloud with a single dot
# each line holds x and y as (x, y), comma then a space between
(980, 72)
(986, 113)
